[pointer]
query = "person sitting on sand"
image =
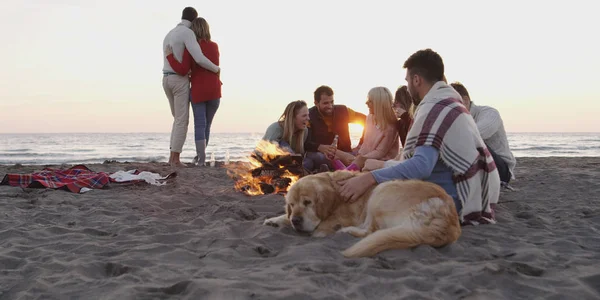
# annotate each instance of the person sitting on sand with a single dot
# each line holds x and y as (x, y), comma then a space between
(443, 146)
(403, 104)
(290, 131)
(491, 128)
(177, 86)
(206, 86)
(380, 135)
(326, 121)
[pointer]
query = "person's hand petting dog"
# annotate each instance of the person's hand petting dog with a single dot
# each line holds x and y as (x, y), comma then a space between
(351, 189)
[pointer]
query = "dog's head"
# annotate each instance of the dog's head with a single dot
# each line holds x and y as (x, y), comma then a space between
(313, 198)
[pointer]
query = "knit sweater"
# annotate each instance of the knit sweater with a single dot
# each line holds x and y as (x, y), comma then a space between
(274, 133)
(490, 126)
(378, 143)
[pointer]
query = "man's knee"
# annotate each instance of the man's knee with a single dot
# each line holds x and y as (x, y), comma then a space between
(314, 160)
(182, 121)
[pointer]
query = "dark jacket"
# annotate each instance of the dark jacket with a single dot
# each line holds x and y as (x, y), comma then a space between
(319, 133)
(402, 125)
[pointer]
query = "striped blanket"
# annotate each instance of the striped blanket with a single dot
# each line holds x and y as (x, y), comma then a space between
(441, 121)
(73, 179)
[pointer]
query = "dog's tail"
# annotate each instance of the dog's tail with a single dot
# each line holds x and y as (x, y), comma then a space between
(439, 231)
(385, 239)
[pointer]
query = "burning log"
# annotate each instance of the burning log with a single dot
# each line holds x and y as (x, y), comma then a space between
(271, 170)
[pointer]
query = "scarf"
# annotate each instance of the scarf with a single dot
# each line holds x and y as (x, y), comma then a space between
(441, 121)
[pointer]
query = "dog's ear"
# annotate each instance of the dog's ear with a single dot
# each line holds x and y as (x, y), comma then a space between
(288, 210)
(325, 196)
(324, 202)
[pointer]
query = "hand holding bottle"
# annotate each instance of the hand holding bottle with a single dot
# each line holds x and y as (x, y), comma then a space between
(333, 148)
(328, 150)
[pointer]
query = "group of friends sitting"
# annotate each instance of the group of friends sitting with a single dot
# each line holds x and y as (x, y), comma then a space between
(429, 130)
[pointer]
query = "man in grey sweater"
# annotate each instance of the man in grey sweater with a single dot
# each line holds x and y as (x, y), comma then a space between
(491, 128)
(177, 87)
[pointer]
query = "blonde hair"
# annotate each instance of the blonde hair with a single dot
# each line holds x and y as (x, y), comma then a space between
(292, 135)
(382, 101)
(201, 29)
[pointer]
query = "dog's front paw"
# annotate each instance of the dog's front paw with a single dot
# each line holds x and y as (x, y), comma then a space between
(346, 229)
(271, 222)
(355, 231)
(319, 234)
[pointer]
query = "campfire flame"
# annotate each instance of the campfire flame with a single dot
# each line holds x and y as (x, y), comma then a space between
(276, 181)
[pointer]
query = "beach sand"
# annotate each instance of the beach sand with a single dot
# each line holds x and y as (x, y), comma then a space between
(197, 238)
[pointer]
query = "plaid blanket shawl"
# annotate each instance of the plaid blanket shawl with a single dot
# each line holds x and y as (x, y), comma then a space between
(72, 179)
(441, 121)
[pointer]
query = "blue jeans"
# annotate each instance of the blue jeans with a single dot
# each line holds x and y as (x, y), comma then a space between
(204, 113)
(313, 160)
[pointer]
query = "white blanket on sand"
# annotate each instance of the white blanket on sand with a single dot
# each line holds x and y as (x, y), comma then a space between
(149, 177)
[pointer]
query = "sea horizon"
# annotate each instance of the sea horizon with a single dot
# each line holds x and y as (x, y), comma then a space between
(98, 147)
(251, 132)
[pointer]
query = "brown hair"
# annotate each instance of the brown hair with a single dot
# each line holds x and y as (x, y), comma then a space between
(460, 89)
(426, 63)
(201, 29)
(404, 99)
(189, 13)
(322, 90)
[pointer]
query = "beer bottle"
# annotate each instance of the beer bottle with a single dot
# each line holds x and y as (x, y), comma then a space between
(334, 144)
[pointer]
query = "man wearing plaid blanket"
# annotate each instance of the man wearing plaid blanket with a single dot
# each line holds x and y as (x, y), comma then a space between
(443, 146)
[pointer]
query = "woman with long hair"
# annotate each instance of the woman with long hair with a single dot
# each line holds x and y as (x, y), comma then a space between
(206, 86)
(403, 106)
(381, 137)
(290, 131)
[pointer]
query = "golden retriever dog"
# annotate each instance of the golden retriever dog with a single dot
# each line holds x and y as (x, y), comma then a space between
(397, 214)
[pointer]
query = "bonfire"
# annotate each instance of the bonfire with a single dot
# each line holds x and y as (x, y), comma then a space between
(270, 169)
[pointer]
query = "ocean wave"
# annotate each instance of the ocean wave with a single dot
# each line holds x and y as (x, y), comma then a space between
(565, 152)
(34, 154)
(119, 159)
(537, 148)
(17, 150)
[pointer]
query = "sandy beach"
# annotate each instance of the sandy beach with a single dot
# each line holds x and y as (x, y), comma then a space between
(198, 238)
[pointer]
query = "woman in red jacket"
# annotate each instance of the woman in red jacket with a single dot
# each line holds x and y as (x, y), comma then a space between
(206, 86)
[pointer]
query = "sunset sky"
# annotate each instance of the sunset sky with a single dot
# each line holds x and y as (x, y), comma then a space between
(95, 66)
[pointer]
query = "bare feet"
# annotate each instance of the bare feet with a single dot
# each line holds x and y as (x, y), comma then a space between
(174, 160)
(178, 164)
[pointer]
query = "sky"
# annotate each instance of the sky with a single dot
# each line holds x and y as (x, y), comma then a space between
(96, 66)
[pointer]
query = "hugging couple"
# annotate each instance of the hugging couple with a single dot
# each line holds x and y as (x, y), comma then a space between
(191, 57)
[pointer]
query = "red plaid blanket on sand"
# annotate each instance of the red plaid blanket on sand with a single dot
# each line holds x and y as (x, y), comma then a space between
(72, 179)
(442, 122)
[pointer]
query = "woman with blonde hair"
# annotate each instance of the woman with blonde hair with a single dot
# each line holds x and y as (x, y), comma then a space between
(291, 130)
(381, 137)
(206, 86)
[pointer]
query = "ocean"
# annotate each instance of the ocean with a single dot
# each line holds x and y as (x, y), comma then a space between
(85, 148)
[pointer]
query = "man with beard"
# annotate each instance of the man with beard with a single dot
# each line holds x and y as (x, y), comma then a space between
(443, 146)
(327, 120)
